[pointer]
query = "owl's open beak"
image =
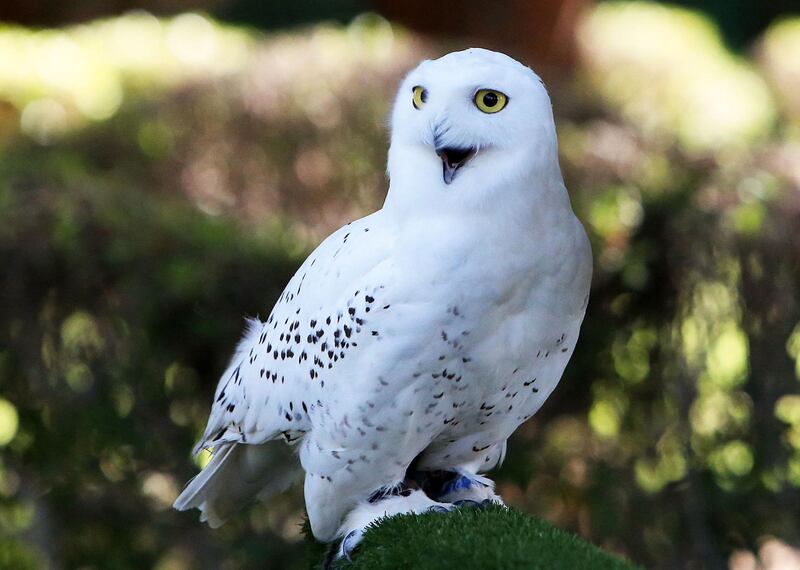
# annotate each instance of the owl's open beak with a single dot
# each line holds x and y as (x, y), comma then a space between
(452, 160)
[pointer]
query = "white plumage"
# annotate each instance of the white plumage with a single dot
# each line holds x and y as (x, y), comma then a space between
(425, 332)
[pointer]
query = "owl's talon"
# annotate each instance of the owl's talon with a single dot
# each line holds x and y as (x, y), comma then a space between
(349, 544)
(469, 504)
(438, 509)
(496, 502)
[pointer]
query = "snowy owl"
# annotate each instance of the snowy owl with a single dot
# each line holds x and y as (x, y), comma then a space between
(412, 343)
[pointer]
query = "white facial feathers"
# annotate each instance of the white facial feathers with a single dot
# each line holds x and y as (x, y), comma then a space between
(473, 117)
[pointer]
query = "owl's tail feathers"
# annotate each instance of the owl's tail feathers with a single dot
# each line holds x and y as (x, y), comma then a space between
(237, 474)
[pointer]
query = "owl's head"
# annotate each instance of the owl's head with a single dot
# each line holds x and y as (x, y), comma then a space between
(471, 118)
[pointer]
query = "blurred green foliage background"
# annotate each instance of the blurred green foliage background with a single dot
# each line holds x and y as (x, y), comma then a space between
(162, 177)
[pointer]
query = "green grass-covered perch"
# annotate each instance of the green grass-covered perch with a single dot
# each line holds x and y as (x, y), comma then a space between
(465, 539)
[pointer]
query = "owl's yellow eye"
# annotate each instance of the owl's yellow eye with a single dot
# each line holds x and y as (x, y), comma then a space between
(490, 101)
(420, 96)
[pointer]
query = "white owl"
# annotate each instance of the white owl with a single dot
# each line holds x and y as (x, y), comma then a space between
(411, 343)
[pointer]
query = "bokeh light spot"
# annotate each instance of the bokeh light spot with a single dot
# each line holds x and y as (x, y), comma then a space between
(9, 422)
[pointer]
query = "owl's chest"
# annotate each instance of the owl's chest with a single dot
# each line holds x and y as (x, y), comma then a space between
(480, 334)
(504, 346)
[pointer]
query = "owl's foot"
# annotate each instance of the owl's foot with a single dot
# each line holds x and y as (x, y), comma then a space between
(368, 513)
(466, 489)
(460, 488)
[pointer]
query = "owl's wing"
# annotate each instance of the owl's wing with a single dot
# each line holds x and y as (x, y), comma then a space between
(279, 370)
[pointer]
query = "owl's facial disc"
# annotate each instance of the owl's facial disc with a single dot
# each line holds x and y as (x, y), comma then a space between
(484, 117)
(452, 160)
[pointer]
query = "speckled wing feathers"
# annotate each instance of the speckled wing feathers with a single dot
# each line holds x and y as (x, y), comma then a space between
(281, 366)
